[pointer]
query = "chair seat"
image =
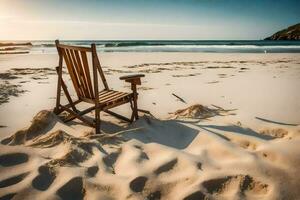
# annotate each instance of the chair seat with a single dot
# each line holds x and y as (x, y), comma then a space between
(110, 97)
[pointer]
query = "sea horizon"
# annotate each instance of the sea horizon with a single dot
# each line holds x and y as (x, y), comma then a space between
(212, 46)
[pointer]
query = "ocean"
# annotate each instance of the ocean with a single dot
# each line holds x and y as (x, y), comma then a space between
(213, 46)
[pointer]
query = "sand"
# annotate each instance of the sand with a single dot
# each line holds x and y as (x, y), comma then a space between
(223, 126)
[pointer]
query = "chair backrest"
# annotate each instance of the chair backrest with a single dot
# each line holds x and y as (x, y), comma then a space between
(76, 60)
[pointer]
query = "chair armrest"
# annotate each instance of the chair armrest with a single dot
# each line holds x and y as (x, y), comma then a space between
(133, 79)
(133, 76)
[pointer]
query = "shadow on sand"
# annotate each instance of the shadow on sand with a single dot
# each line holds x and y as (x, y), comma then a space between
(275, 122)
(234, 129)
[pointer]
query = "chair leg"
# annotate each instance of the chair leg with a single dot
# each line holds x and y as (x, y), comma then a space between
(132, 114)
(135, 108)
(97, 119)
(135, 96)
(56, 110)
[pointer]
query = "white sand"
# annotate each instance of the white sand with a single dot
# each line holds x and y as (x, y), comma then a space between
(250, 150)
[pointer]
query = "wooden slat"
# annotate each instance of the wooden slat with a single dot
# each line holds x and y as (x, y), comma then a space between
(73, 76)
(85, 81)
(109, 96)
(106, 94)
(87, 72)
(86, 49)
(80, 74)
(77, 72)
(105, 106)
(118, 98)
(103, 91)
(98, 65)
(113, 97)
(103, 97)
(73, 69)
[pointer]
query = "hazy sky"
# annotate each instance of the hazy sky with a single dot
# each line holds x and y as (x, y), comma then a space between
(145, 19)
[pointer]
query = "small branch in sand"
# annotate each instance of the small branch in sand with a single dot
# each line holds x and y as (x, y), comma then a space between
(222, 109)
(146, 112)
(218, 107)
(181, 99)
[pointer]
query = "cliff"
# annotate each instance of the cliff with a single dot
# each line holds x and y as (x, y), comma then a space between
(291, 33)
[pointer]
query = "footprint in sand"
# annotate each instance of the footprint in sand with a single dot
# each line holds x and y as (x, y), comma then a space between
(247, 144)
(111, 158)
(138, 184)
(166, 167)
(143, 156)
(244, 183)
(195, 196)
(199, 166)
(44, 179)
(92, 171)
(275, 133)
(271, 156)
(72, 190)
(13, 180)
(12, 159)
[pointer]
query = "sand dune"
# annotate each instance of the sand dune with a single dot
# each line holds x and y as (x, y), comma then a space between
(178, 158)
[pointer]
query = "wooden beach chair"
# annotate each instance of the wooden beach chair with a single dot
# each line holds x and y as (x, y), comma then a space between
(85, 82)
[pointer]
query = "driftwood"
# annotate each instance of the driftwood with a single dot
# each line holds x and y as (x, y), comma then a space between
(181, 99)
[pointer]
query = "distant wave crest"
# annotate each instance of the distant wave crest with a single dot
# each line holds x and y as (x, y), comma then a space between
(234, 46)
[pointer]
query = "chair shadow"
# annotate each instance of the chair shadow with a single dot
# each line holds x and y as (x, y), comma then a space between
(234, 129)
(170, 133)
(275, 122)
(148, 129)
(106, 126)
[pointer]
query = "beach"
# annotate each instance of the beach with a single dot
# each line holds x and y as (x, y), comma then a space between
(222, 126)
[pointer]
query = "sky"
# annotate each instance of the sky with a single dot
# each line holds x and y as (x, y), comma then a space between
(145, 19)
